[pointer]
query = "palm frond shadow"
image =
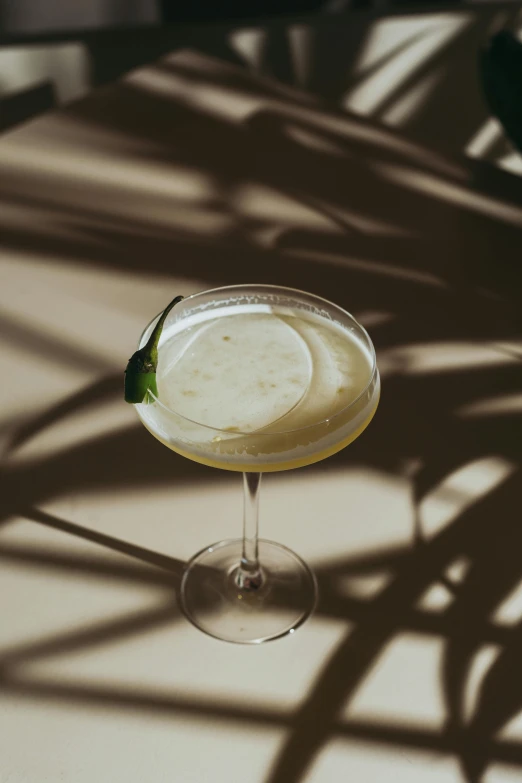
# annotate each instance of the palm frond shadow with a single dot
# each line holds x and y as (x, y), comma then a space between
(105, 461)
(392, 610)
(102, 633)
(342, 181)
(161, 571)
(100, 390)
(55, 349)
(236, 157)
(377, 620)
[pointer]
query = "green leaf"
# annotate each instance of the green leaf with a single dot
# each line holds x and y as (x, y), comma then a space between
(140, 374)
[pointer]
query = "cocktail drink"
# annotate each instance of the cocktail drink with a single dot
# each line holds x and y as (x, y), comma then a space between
(256, 378)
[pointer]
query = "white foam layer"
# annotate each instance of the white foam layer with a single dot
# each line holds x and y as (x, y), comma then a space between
(245, 383)
(246, 368)
(239, 372)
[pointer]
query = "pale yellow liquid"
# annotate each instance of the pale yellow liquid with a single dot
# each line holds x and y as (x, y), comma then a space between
(260, 388)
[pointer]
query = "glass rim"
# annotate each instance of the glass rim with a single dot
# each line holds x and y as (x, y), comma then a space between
(262, 430)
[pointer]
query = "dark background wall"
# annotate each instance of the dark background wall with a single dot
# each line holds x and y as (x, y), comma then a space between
(28, 16)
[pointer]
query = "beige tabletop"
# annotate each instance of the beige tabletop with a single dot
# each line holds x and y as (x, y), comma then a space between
(189, 174)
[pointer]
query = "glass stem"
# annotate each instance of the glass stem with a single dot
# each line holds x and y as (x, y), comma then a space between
(249, 575)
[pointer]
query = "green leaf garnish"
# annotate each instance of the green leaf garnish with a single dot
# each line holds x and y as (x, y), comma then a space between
(140, 374)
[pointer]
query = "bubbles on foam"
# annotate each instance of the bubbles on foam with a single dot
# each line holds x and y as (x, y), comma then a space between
(217, 372)
(270, 344)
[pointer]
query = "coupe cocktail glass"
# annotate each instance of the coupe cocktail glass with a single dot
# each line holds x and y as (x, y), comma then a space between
(255, 379)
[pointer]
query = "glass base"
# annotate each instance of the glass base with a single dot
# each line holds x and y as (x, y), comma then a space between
(215, 599)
